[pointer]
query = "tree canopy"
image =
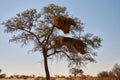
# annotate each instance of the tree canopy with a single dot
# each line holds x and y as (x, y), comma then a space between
(76, 71)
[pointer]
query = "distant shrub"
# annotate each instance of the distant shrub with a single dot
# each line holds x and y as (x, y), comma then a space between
(2, 75)
(39, 78)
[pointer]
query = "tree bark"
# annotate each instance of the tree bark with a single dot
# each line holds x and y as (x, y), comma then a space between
(75, 75)
(46, 65)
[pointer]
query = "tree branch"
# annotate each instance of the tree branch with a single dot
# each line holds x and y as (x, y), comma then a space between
(61, 52)
(47, 39)
(53, 53)
(68, 56)
(35, 36)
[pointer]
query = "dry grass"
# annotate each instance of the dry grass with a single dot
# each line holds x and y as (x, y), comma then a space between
(18, 79)
(92, 78)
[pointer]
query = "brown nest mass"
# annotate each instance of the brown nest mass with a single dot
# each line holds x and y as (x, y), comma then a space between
(63, 23)
(73, 45)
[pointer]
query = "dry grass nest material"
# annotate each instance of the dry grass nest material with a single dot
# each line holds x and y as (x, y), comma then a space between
(73, 45)
(63, 23)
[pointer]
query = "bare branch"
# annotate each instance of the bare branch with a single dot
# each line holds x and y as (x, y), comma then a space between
(55, 51)
(48, 37)
(68, 56)
(35, 36)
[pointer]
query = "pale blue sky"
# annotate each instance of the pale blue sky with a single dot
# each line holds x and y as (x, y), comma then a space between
(101, 17)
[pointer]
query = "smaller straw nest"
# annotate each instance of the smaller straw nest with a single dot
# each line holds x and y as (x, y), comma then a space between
(63, 23)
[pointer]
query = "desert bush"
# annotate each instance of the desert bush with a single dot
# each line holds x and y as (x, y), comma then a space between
(114, 73)
(2, 75)
(39, 78)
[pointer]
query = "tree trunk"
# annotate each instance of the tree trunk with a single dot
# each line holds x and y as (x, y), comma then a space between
(46, 65)
(75, 75)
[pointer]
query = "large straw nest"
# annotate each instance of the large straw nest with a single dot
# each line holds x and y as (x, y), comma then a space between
(73, 45)
(77, 45)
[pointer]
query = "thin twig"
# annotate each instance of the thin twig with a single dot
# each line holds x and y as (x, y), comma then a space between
(49, 36)
(35, 36)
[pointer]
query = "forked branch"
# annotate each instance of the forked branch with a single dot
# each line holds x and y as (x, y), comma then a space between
(55, 52)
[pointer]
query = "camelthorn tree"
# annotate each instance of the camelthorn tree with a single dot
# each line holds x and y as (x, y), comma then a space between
(37, 27)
